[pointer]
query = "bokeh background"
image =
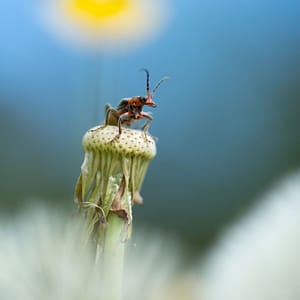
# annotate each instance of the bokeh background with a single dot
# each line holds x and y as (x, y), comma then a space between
(227, 121)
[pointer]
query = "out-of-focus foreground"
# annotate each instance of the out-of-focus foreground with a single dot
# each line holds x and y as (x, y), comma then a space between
(257, 258)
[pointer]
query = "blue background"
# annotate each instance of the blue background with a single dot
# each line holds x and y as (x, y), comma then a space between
(227, 121)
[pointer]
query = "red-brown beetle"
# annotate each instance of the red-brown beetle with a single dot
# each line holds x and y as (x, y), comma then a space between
(130, 110)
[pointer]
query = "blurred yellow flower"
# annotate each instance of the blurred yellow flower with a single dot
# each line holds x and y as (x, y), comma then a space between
(104, 24)
(92, 12)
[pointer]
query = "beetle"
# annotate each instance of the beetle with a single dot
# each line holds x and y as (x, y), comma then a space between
(130, 110)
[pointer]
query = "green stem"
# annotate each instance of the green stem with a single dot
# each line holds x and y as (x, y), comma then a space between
(113, 256)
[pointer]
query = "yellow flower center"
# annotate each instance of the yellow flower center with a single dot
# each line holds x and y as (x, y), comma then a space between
(95, 11)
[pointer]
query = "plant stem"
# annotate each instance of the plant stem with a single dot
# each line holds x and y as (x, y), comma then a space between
(109, 184)
(113, 256)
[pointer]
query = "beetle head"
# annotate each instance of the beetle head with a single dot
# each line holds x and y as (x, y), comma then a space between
(147, 101)
(149, 98)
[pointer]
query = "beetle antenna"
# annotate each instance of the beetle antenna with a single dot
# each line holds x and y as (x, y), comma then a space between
(147, 81)
(158, 84)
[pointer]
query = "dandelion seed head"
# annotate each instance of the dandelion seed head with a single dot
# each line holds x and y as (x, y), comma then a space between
(130, 142)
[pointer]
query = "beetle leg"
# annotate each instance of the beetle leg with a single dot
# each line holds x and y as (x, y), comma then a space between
(121, 119)
(149, 120)
(108, 111)
(146, 126)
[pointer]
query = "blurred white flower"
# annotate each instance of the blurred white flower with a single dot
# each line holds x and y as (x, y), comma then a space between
(40, 258)
(258, 258)
(104, 24)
